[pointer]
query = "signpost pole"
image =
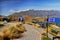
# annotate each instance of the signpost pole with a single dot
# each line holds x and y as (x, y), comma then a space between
(47, 25)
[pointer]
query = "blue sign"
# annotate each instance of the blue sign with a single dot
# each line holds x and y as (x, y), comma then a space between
(57, 20)
(51, 19)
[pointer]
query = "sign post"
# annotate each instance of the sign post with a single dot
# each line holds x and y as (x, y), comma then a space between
(51, 20)
(47, 26)
(47, 23)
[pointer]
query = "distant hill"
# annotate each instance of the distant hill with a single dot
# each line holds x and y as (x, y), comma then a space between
(2, 16)
(35, 13)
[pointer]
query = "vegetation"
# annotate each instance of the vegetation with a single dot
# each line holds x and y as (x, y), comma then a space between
(0, 18)
(21, 28)
(13, 31)
(44, 34)
(53, 34)
(8, 20)
(1, 25)
(11, 18)
(46, 38)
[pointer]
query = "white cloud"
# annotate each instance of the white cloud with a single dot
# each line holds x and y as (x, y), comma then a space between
(13, 11)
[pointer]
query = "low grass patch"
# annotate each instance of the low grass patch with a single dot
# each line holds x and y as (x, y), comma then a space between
(46, 38)
(53, 34)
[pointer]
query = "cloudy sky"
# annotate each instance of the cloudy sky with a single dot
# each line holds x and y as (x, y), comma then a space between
(8, 7)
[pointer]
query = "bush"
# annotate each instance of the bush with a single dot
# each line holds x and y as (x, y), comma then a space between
(44, 34)
(54, 31)
(8, 20)
(0, 19)
(1, 25)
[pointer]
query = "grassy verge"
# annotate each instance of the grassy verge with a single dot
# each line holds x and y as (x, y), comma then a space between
(46, 38)
(52, 34)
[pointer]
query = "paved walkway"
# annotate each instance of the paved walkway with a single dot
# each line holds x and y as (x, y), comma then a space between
(31, 34)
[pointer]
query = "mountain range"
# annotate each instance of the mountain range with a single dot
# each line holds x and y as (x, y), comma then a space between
(37, 13)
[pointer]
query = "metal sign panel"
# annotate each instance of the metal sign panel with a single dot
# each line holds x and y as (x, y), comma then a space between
(51, 19)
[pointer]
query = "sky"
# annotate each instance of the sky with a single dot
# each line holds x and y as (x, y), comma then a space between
(8, 7)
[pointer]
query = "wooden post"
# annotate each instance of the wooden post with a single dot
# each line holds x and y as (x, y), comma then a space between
(47, 25)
